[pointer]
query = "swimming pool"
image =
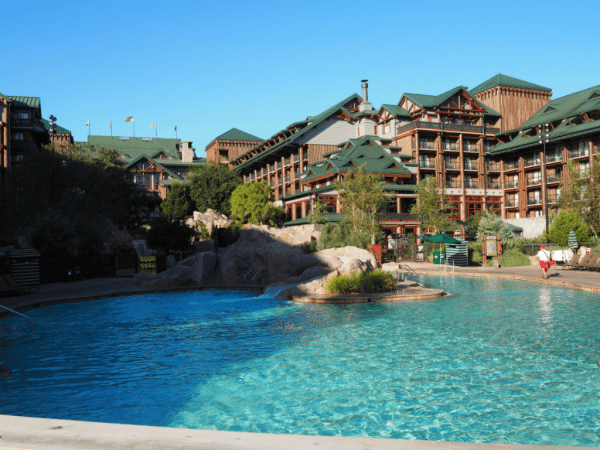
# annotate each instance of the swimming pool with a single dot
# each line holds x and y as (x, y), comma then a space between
(498, 361)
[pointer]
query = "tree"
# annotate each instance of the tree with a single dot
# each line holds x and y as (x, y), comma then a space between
(250, 203)
(491, 225)
(430, 206)
(169, 237)
(563, 223)
(178, 205)
(317, 216)
(362, 195)
(580, 192)
(211, 186)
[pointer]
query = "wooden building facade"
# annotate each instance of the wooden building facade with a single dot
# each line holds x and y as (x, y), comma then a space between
(230, 145)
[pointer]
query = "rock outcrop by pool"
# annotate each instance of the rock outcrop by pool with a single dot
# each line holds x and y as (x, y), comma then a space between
(275, 254)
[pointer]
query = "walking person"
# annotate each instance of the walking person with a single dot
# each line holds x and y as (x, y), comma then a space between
(546, 261)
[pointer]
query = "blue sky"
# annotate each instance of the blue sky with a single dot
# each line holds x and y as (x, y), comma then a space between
(258, 66)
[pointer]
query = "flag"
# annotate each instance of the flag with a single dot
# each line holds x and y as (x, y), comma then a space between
(153, 125)
(87, 124)
(129, 119)
(175, 127)
(111, 123)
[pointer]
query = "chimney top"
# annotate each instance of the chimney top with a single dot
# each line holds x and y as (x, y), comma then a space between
(364, 86)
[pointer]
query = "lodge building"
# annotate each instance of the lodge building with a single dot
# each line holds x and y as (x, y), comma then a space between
(480, 145)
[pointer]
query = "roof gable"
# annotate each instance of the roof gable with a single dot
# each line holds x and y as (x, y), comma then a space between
(32, 102)
(237, 135)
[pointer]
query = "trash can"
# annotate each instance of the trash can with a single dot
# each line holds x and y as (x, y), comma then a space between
(439, 257)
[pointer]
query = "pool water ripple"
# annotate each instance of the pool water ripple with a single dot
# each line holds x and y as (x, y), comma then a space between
(498, 361)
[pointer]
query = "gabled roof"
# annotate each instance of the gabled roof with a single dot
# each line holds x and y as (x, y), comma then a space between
(429, 101)
(567, 106)
(237, 135)
(506, 81)
(154, 161)
(59, 129)
(395, 110)
(311, 122)
(351, 157)
(32, 102)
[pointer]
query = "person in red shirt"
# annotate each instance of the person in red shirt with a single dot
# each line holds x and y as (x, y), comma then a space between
(546, 261)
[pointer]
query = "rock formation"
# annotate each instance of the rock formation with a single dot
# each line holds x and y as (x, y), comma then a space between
(266, 256)
(210, 218)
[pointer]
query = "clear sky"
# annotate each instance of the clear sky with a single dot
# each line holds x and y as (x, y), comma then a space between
(260, 65)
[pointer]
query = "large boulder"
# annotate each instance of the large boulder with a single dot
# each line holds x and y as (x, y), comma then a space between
(197, 270)
(260, 248)
(211, 219)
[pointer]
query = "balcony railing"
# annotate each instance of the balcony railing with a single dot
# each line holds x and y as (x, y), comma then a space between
(452, 165)
(287, 178)
(494, 167)
(296, 157)
(532, 162)
(470, 148)
(272, 183)
(493, 185)
(296, 175)
(511, 165)
(552, 198)
(472, 184)
(287, 161)
(21, 122)
(427, 165)
(450, 146)
(279, 182)
(554, 178)
(427, 145)
(578, 153)
(553, 158)
(534, 201)
(453, 126)
(510, 203)
(511, 184)
(471, 166)
(453, 184)
(533, 181)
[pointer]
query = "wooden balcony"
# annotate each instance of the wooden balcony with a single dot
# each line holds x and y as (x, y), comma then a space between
(534, 201)
(452, 165)
(493, 167)
(534, 181)
(511, 203)
(427, 165)
(579, 153)
(511, 184)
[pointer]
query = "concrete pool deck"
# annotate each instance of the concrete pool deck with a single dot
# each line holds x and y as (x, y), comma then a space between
(24, 433)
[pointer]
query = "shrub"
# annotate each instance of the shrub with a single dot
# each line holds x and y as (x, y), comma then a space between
(310, 247)
(564, 223)
(514, 258)
(475, 253)
(366, 282)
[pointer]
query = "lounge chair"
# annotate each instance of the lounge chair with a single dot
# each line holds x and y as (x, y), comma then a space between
(592, 263)
(572, 262)
(583, 261)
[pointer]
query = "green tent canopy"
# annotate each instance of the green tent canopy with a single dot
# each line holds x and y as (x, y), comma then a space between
(442, 239)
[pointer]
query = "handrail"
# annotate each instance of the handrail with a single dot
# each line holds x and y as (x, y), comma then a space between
(30, 322)
(249, 272)
(256, 274)
(408, 269)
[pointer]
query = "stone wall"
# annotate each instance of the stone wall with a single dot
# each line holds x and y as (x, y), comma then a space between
(532, 226)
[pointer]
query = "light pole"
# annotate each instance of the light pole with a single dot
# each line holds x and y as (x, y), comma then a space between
(52, 128)
(544, 138)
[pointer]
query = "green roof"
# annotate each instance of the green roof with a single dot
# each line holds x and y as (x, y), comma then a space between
(59, 129)
(237, 135)
(506, 81)
(134, 143)
(356, 153)
(395, 110)
(329, 217)
(429, 101)
(558, 109)
(32, 102)
(313, 123)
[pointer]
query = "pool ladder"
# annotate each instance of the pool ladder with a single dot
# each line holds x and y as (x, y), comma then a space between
(255, 276)
(409, 271)
(6, 332)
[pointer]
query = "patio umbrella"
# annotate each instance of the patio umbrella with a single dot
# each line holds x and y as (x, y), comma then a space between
(442, 239)
(572, 240)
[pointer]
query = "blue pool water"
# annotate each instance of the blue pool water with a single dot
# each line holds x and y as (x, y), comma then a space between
(498, 361)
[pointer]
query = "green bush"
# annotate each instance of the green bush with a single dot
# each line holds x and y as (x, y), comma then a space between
(564, 223)
(336, 235)
(514, 258)
(310, 247)
(475, 253)
(366, 282)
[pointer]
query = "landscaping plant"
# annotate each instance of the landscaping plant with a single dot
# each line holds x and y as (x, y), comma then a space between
(365, 282)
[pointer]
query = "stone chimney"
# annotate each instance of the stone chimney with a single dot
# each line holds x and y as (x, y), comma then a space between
(187, 151)
(366, 125)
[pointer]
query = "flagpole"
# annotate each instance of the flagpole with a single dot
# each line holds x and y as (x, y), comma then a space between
(111, 128)
(156, 131)
(133, 121)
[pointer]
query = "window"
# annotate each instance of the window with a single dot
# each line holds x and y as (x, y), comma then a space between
(18, 136)
(21, 115)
